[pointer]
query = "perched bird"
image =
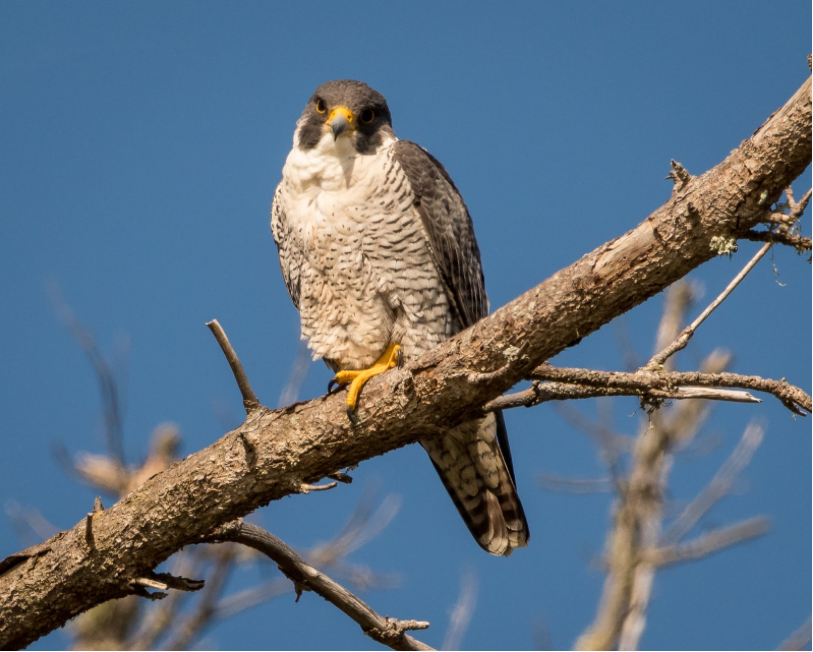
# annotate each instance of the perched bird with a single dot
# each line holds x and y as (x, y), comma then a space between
(378, 252)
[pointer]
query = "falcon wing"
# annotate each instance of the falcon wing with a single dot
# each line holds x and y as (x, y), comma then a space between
(454, 248)
(449, 229)
(290, 256)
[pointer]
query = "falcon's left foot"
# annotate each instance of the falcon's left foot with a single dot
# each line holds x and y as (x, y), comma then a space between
(357, 378)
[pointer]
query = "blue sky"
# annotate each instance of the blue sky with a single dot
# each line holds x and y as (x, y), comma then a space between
(140, 144)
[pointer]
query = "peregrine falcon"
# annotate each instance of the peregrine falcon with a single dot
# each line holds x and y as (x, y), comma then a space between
(377, 250)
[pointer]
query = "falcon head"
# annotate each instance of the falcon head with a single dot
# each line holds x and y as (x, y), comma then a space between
(346, 109)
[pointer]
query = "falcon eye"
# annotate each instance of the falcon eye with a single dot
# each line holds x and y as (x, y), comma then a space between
(367, 116)
(321, 107)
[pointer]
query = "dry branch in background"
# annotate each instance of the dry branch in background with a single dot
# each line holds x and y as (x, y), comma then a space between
(273, 452)
(637, 546)
(461, 615)
(798, 640)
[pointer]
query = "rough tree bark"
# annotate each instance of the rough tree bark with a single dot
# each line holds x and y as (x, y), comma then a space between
(274, 451)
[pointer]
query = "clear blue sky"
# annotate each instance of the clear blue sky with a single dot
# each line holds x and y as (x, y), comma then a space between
(140, 144)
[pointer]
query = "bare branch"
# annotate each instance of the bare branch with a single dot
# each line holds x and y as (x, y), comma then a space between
(798, 242)
(388, 631)
(680, 298)
(796, 209)
(165, 581)
(649, 385)
(709, 543)
(680, 343)
(250, 400)
(638, 517)
(307, 488)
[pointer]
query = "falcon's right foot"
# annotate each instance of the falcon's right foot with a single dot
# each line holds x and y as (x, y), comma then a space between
(356, 378)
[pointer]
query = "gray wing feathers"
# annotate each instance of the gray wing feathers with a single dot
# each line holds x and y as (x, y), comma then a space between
(473, 460)
(449, 229)
(290, 257)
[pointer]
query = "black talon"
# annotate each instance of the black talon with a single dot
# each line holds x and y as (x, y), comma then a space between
(330, 385)
(351, 414)
(400, 355)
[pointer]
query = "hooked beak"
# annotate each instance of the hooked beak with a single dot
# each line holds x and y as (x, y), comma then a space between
(340, 120)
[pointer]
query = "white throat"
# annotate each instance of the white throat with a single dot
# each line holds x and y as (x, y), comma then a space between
(331, 164)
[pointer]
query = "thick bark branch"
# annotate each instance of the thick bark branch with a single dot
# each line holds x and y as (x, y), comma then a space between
(274, 452)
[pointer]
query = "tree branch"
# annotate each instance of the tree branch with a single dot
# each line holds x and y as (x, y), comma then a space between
(682, 340)
(273, 452)
(569, 383)
(709, 543)
(798, 242)
(250, 400)
(387, 631)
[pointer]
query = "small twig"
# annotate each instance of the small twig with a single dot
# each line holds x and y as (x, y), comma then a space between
(141, 592)
(340, 476)
(387, 631)
(798, 242)
(250, 400)
(679, 175)
(97, 507)
(160, 619)
(178, 583)
(797, 207)
(409, 625)
(709, 543)
(164, 581)
(680, 343)
(151, 583)
(186, 630)
(307, 488)
(89, 531)
(784, 228)
(708, 393)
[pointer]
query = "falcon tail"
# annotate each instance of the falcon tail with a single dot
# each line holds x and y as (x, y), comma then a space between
(479, 477)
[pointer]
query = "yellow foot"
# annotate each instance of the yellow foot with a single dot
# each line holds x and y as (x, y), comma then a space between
(357, 378)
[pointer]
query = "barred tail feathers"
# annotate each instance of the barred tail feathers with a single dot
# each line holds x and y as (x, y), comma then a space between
(479, 478)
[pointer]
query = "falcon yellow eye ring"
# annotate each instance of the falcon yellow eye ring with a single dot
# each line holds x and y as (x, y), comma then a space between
(321, 107)
(367, 116)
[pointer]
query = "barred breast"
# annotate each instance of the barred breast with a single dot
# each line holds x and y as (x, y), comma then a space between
(366, 277)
